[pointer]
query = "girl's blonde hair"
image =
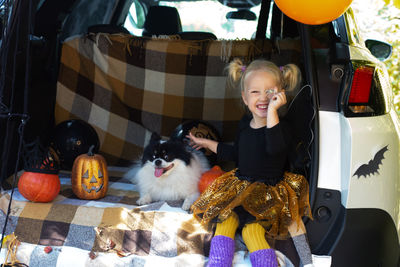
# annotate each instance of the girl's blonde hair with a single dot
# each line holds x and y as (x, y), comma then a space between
(288, 77)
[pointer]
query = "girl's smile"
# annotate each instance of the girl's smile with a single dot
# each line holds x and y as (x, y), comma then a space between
(260, 88)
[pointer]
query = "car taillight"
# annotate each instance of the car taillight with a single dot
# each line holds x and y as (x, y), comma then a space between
(361, 86)
(367, 90)
(361, 89)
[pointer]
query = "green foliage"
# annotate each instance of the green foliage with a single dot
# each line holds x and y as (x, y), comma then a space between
(393, 64)
(396, 3)
(392, 34)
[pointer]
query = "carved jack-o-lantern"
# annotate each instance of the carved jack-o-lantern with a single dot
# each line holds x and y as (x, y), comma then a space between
(89, 178)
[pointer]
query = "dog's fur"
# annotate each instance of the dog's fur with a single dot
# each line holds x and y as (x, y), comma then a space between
(169, 170)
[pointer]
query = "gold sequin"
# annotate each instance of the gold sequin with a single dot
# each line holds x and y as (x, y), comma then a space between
(274, 207)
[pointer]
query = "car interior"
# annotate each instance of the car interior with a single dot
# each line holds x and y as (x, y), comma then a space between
(127, 85)
(87, 69)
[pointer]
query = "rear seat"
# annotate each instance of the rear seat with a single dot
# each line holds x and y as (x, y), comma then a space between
(127, 86)
(196, 35)
(162, 20)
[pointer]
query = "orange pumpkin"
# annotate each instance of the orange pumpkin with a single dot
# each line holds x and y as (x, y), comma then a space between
(39, 187)
(89, 177)
(208, 177)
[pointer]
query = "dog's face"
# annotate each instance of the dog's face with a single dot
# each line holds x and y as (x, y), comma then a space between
(164, 156)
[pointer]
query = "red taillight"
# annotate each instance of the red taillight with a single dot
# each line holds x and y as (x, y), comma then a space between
(361, 86)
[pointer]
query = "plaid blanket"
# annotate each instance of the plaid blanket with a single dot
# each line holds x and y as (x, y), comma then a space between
(115, 231)
(113, 228)
(127, 86)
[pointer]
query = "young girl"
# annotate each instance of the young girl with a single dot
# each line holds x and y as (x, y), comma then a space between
(258, 194)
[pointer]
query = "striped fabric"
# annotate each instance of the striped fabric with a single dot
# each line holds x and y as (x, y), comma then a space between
(126, 86)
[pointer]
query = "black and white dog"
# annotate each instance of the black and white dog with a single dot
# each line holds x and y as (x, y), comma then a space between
(169, 170)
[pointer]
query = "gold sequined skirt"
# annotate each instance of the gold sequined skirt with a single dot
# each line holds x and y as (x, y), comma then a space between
(274, 207)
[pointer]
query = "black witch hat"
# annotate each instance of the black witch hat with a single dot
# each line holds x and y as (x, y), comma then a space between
(39, 158)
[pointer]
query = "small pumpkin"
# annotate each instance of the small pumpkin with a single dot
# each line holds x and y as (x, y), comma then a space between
(89, 177)
(208, 177)
(39, 187)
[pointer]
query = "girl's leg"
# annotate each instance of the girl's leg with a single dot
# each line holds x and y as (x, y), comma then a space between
(300, 240)
(223, 243)
(261, 255)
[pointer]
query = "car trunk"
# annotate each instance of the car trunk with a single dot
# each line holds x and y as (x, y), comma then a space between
(34, 71)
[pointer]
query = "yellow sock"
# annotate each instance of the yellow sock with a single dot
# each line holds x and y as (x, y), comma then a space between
(228, 227)
(254, 237)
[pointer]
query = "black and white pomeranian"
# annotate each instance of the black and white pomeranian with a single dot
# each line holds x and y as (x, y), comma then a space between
(169, 170)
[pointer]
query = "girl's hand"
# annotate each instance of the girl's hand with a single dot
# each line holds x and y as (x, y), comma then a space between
(277, 101)
(198, 143)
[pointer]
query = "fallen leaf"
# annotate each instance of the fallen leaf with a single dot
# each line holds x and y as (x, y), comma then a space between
(48, 249)
(92, 255)
(121, 253)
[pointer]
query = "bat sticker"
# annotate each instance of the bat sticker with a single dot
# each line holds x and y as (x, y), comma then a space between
(372, 166)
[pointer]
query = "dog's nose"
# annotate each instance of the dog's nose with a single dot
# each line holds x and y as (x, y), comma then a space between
(157, 162)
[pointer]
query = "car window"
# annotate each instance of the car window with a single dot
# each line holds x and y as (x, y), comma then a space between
(208, 16)
(85, 14)
(135, 19)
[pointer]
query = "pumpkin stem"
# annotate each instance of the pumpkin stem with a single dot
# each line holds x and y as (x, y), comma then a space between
(90, 152)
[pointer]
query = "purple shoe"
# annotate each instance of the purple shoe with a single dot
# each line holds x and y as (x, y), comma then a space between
(221, 251)
(263, 258)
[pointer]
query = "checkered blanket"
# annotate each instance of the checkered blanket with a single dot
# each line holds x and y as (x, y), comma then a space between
(115, 231)
(111, 230)
(127, 86)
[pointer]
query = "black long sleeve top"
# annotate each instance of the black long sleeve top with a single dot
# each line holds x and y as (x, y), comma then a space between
(260, 154)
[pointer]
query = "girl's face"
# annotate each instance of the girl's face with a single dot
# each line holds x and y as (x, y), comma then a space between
(260, 86)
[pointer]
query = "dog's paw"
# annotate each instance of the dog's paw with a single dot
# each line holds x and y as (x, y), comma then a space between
(187, 204)
(146, 199)
(189, 201)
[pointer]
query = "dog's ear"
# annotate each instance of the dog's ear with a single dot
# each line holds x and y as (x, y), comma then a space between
(155, 137)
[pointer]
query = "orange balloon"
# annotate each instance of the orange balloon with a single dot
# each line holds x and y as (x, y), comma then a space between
(313, 12)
